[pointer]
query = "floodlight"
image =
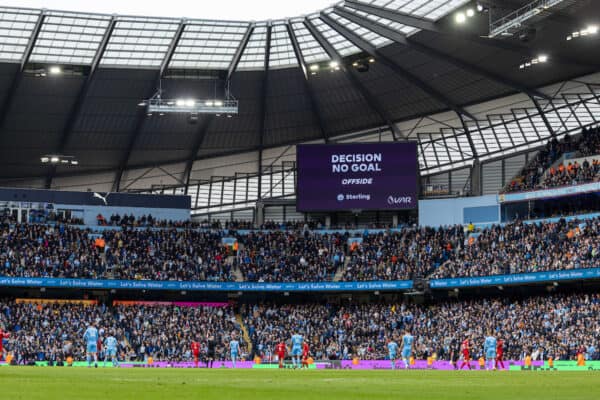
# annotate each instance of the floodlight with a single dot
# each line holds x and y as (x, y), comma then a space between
(180, 103)
(470, 12)
(218, 103)
(44, 159)
(542, 58)
(460, 18)
(55, 70)
(314, 67)
(190, 103)
(54, 159)
(334, 64)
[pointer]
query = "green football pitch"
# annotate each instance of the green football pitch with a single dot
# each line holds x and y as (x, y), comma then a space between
(30, 383)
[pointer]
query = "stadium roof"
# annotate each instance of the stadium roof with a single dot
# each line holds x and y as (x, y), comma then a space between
(423, 63)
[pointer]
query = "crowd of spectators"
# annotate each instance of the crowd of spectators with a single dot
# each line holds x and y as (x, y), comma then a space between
(532, 176)
(54, 332)
(69, 252)
(39, 216)
(519, 247)
(571, 173)
(407, 254)
(63, 251)
(166, 332)
(148, 221)
(284, 256)
(554, 325)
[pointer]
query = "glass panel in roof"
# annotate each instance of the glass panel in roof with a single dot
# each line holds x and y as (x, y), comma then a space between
(311, 50)
(69, 38)
(282, 52)
(139, 42)
(430, 9)
(370, 36)
(404, 29)
(254, 53)
(343, 46)
(16, 27)
(444, 8)
(208, 45)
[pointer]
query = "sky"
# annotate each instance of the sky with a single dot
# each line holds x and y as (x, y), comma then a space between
(239, 10)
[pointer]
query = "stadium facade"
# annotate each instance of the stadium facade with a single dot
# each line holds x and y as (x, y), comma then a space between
(476, 115)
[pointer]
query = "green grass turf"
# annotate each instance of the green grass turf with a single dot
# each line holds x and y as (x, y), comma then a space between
(31, 383)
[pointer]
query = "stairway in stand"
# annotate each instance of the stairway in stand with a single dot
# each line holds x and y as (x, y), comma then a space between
(340, 271)
(235, 270)
(245, 335)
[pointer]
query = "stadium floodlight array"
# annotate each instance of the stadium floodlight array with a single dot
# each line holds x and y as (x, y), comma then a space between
(190, 106)
(541, 59)
(56, 159)
(332, 66)
(589, 31)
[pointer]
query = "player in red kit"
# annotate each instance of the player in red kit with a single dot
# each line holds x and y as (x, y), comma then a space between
(3, 335)
(280, 350)
(305, 354)
(500, 354)
(196, 352)
(466, 352)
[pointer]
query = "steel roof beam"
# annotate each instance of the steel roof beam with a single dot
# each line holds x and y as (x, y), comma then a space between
(263, 106)
(240, 50)
(199, 138)
(469, 138)
(396, 16)
(205, 126)
(394, 35)
(430, 26)
(18, 77)
(393, 15)
(391, 64)
(142, 114)
(172, 46)
(311, 96)
(351, 74)
(78, 104)
(139, 123)
(542, 114)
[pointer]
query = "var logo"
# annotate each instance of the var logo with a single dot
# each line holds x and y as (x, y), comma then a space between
(391, 200)
(340, 197)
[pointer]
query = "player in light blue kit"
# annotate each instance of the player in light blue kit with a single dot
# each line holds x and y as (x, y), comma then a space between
(110, 345)
(489, 348)
(91, 339)
(407, 344)
(297, 341)
(392, 351)
(234, 349)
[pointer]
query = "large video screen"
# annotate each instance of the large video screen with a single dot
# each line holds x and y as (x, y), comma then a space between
(357, 176)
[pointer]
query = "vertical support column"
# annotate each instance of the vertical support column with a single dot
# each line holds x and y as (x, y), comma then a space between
(476, 184)
(260, 213)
